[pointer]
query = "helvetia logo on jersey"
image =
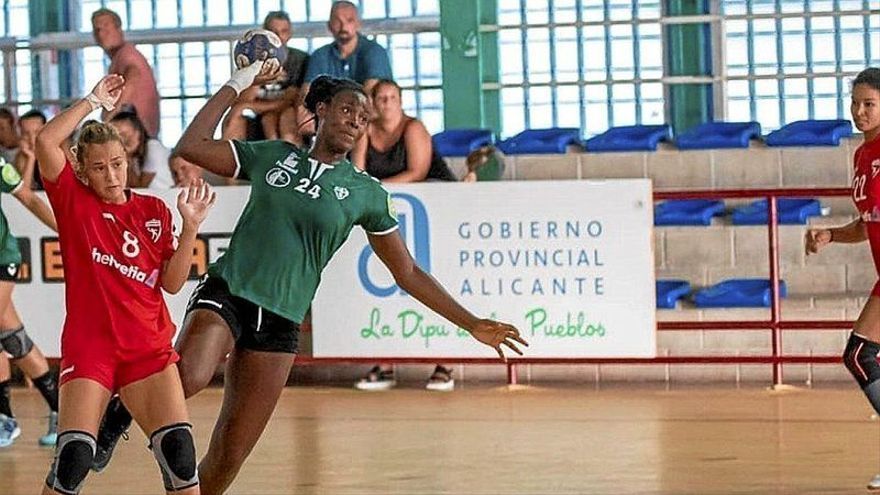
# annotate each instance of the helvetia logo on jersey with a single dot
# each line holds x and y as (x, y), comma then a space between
(277, 177)
(875, 168)
(128, 271)
(154, 227)
(415, 230)
(341, 192)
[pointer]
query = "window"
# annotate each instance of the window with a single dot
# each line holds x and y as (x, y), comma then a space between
(790, 60)
(590, 64)
(415, 57)
(14, 22)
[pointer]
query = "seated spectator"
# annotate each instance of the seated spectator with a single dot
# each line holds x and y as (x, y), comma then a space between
(269, 101)
(351, 55)
(9, 139)
(185, 172)
(29, 125)
(398, 148)
(484, 164)
(147, 157)
(140, 89)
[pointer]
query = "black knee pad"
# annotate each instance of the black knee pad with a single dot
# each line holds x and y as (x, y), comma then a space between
(73, 458)
(860, 358)
(16, 342)
(175, 452)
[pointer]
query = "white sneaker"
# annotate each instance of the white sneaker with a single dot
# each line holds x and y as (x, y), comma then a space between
(874, 484)
(9, 430)
(376, 380)
(441, 380)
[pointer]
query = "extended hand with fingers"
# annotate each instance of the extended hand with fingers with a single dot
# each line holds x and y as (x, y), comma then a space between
(495, 334)
(816, 239)
(107, 92)
(194, 201)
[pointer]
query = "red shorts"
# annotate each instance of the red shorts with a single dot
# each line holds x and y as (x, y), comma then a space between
(109, 367)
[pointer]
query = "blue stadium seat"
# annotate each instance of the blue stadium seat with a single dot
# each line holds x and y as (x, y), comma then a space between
(792, 211)
(687, 211)
(738, 293)
(629, 138)
(670, 291)
(713, 135)
(460, 142)
(811, 133)
(537, 141)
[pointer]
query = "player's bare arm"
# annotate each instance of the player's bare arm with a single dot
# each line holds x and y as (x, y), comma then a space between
(50, 155)
(422, 286)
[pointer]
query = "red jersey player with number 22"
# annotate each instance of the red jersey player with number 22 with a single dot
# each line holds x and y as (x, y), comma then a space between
(860, 355)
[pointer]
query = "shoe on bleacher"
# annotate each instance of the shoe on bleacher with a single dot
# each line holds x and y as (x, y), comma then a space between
(9, 430)
(51, 436)
(874, 484)
(376, 379)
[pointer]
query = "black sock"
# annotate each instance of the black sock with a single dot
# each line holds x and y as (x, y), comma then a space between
(48, 388)
(5, 406)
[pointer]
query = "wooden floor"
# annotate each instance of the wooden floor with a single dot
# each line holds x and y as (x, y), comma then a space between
(633, 440)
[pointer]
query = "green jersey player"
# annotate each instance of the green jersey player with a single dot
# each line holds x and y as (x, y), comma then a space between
(14, 340)
(303, 205)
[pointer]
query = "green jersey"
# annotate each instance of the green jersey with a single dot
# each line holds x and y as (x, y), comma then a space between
(300, 211)
(10, 181)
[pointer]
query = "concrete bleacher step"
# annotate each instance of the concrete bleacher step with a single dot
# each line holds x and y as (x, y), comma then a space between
(758, 166)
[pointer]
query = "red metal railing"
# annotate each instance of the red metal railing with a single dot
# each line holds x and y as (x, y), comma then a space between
(775, 324)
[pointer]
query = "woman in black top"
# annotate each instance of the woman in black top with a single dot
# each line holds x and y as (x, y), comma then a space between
(398, 148)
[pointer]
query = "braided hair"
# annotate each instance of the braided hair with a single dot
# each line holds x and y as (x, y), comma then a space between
(324, 88)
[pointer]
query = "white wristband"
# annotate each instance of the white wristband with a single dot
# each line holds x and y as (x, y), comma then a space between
(96, 102)
(243, 78)
(93, 101)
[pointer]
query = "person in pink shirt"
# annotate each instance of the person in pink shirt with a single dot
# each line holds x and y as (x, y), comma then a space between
(140, 85)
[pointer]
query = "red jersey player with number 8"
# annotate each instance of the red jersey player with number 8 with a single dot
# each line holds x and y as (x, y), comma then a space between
(860, 356)
(119, 253)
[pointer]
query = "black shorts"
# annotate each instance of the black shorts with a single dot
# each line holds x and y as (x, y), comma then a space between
(253, 327)
(9, 273)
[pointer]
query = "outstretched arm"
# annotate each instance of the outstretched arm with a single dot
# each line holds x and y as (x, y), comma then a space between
(36, 205)
(394, 254)
(197, 144)
(50, 156)
(850, 233)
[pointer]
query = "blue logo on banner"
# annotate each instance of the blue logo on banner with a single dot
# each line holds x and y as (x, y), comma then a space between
(420, 247)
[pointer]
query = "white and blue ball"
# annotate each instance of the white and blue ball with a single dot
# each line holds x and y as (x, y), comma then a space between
(258, 44)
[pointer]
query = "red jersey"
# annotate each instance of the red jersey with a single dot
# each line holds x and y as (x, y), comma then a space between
(866, 196)
(113, 257)
(866, 183)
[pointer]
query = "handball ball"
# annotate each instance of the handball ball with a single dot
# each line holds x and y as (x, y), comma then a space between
(258, 44)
